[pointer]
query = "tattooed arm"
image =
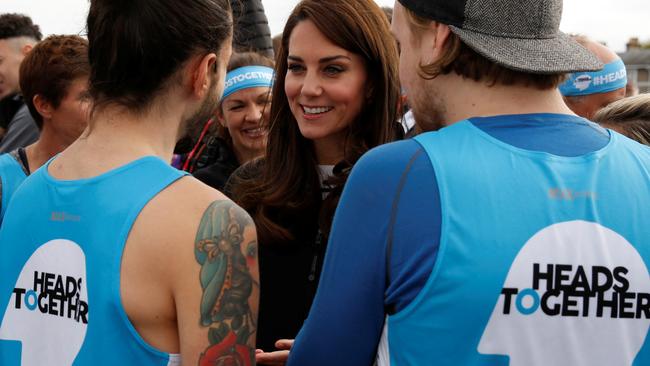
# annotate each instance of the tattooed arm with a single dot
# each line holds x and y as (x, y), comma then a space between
(226, 250)
(217, 309)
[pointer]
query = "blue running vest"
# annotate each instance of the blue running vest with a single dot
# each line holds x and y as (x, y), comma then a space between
(60, 256)
(11, 176)
(543, 259)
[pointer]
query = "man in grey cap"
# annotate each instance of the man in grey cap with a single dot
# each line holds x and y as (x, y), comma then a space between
(503, 236)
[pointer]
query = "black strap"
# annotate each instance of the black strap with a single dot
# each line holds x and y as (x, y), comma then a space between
(23, 160)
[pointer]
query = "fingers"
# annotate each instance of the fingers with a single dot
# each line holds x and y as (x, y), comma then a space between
(284, 344)
(272, 358)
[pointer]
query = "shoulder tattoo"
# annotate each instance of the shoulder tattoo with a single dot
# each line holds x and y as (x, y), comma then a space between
(225, 254)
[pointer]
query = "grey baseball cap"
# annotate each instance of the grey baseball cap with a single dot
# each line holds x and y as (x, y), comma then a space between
(522, 35)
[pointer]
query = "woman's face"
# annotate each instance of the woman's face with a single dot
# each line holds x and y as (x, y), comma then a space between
(326, 85)
(246, 114)
(71, 117)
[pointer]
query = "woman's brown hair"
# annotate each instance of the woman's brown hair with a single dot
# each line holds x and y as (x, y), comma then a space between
(288, 185)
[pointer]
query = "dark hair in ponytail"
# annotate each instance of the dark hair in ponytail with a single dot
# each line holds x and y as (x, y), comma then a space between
(135, 46)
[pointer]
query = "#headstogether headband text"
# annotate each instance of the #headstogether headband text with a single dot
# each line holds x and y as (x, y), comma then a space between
(248, 77)
(612, 77)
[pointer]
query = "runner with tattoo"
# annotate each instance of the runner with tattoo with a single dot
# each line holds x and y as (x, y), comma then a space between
(110, 256)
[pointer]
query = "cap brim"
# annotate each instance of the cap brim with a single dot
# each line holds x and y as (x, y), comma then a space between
(537, 56)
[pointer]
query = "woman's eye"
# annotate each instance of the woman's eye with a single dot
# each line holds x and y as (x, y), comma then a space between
(295, 68)
(333, 70)
(263, 103)
(235, 108)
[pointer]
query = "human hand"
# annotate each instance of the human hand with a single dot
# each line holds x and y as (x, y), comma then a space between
(276, 358)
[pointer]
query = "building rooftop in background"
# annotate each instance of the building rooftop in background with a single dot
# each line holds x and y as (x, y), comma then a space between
(637, 62)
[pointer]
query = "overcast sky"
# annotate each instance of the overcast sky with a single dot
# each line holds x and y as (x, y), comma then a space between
(613, 22)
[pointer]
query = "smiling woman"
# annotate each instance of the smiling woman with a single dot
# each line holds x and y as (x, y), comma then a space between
(243, 116)
(335, 97)
(326, 88)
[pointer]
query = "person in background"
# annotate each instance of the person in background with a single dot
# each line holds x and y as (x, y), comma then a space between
(252, 32)
(389, 12)
(631, 89)
(242, 118)
(335, 97)
(474, 243)
(587, 92)
(54, 82)
(140, 263)
(18, 35)
(277, 42)
(9, 105)
(629, 116)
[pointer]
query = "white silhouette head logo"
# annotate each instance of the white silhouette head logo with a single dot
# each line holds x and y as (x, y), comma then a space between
(576, 294)
(583, 82)
(48, 310)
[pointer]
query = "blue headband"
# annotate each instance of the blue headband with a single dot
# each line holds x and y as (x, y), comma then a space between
(612, 77)
(248, 77)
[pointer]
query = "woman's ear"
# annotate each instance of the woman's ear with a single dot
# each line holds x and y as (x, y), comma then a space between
(219, 115)
(43, 107)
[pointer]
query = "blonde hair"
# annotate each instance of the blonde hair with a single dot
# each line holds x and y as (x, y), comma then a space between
(629, 116)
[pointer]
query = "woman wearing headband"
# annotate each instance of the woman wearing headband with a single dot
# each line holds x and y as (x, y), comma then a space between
(242, 118)
(335, 97)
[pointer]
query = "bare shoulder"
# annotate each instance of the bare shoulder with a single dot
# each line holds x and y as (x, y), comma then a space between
(181, 204)
(169, 223)
(202, 249)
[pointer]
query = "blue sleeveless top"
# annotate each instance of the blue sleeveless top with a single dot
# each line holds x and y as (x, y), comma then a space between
(11, 176)
(61, 247)
(543, 259)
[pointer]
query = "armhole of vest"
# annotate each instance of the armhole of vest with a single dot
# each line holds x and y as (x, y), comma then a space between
(442, 193)
(390, 309)
(116, 291)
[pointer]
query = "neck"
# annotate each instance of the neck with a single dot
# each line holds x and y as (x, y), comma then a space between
(330, 150)
(115, 137)
(49, 144)
(465, 98)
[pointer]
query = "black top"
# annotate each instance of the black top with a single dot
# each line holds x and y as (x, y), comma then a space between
(289, 272)
(9, 105)
(252, 32)
(21, 131)
(223, 164)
